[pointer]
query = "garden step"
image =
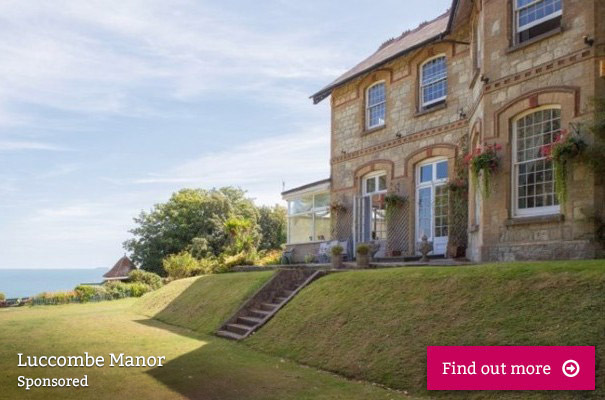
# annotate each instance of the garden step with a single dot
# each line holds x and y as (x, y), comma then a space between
(229, 335)
(268, 306)
(287, 293)
(250, 321)
(280, 299)
(259, 313)
(238, 328)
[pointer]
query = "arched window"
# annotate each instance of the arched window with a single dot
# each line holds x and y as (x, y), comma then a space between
(433, 82)
(376, 105)
(533, 180)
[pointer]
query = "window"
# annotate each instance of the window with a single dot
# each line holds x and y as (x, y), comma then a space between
(376, 105)
(534, 187)
(375, 183)
(433, 82)
(535, 17)
(309, 218)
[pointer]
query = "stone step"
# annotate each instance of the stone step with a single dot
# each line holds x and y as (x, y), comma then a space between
(229, 335)
(286, 293)
(238, 328)
(250, 321)
(268, 306)
(255, 312)
(279, 299)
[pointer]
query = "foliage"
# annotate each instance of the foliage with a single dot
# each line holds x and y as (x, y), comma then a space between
(336, 250)
(154, 281)
(270, 257)
(243, 258)
(393, 201)
(337, 207)
(191, 220)
(484, 159)
(273, 223)
(243, 235)
(564, 149)
(2, 296)
(594, 155)
(309, 259)
(117, 290)
(137, 289)
(181, 265)
(363, 249)
(63, 297)
(86, 293)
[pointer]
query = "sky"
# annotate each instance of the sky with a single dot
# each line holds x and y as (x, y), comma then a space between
(107, 107)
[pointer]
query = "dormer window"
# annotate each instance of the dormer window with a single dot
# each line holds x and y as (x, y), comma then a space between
(376, 105)
(535, 17)
(433, 82)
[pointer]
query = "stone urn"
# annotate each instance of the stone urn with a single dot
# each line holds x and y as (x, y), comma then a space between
(425, 247)
(337, 261)
(363, 256)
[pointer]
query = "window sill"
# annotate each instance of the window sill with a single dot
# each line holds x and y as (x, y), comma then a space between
(545, 35)
(431, 110)
(369, 131)
(540, 219)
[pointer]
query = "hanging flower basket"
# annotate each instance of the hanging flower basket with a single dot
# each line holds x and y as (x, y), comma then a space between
(337, 207)
(459, 186)
(564, 149)
(392, 202)
(483, 161)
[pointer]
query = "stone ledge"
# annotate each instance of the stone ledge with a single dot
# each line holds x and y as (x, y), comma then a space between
(542, 219)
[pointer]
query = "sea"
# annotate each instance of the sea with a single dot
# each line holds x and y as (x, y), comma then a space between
(29, 282)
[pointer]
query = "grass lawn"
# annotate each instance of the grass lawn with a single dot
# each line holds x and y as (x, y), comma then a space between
(198, 366)
(375, 325)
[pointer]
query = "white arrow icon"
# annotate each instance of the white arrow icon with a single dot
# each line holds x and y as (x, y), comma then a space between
(571, 368)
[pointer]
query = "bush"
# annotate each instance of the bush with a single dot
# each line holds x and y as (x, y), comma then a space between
(270, 257)
(2, 296)
(85, 293)
(243, 258)
(181, 265)
(137, 289)
(154, 281)
(56, 297)
(337, 250)
(117, 289)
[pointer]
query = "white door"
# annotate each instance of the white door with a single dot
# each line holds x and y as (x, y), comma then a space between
(432, 204)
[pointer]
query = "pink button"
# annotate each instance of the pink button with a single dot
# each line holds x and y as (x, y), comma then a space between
(510, 368)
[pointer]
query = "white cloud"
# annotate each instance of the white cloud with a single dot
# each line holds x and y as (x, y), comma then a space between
(16, 145)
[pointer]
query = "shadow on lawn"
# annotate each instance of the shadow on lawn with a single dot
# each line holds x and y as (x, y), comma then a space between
(225, 370)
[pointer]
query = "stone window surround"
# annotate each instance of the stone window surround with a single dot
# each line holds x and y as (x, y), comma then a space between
(566, 97)
(381, 75)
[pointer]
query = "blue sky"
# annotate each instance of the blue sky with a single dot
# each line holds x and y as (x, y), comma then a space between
(107, 107)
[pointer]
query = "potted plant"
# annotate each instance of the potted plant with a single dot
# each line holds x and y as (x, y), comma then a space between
(363, 256)
(337, 256)
(484, 161)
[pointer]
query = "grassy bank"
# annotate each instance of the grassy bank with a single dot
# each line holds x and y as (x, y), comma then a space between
(201, 303)
(375, 325)
(197, 366)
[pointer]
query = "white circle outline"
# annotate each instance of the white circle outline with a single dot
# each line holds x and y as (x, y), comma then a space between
(577, 368)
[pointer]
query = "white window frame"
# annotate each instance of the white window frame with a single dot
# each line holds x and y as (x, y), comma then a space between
(433, 184)
(478, 43)
(376, 176)
(313, 211)
(536, 211)
(536, 22)
(422, 85)
(368, 107)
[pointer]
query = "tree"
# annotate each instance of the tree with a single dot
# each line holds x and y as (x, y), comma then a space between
(191, 220)
(273, 225)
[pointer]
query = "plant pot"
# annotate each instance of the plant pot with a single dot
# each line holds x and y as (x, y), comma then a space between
(363, 261)
(396, 253)
(337, 261)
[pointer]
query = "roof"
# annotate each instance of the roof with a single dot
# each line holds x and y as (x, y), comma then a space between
(424, 34)
(308, 186)
(121, 269)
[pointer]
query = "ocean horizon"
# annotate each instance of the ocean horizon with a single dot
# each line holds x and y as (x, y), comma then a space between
(29, 282)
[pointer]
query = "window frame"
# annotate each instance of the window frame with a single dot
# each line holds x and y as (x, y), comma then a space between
(312, 212)
(536, 211)
(376, 176)
(368, 107)
(478, 44)
(517, 12)
(429, 104)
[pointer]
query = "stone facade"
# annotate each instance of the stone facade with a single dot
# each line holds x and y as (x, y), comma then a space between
(484, 98)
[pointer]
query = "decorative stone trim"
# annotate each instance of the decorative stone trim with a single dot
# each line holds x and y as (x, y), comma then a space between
(542, 69)
(399, 141)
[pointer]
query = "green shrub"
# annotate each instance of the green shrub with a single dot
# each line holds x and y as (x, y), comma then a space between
(243, 258)
(181, 265)
(154, 281)
(137, 289)
(117, 289)
(85, 293)
(363, 249)
(56, 297)
(270, 257)
(337, 250)
(2, 296)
